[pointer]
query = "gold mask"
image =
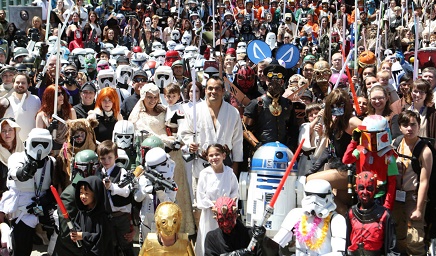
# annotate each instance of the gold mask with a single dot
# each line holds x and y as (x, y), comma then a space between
(168, 218)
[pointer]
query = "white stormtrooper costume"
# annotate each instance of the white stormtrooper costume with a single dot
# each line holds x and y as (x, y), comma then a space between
(175, 35)
(124, 75)
(124, 136)
(156, 159)
(106, 78)
(171, 45)
(29, 177)
(80, 53)
(181, 49)
(307, 223)
(163, 76)
(159, 57)
(186, 38)
(271, 40)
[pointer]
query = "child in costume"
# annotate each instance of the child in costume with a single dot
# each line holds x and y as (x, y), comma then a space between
(319, 230)
(375, 154)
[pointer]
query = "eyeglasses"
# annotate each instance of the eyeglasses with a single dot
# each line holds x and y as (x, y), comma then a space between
(271, 75)
(140, 80)
(378, 99)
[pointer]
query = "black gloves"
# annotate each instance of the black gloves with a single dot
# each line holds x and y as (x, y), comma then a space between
(40, 77)
(357, 134)
(27, 171)
(53, 125)
(158, 187)
(258, 233)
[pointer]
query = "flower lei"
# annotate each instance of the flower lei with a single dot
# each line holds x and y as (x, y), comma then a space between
(306, 237)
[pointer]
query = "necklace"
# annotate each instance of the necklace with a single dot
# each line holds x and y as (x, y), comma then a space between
(307, 237)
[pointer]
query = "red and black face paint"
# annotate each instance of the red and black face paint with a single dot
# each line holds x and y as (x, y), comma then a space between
(226, 213)
(366, 184)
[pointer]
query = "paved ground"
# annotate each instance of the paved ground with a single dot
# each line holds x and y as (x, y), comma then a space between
(41, 250)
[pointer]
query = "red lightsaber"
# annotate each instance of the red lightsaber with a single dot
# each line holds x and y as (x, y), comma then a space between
(64, 212)
(270, 207)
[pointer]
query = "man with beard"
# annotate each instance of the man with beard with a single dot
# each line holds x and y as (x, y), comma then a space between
(3, 20)
(7, 74)
(23, 105)
(271, 117)
(371, 229)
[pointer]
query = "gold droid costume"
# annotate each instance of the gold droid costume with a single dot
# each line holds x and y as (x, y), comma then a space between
(168, 218)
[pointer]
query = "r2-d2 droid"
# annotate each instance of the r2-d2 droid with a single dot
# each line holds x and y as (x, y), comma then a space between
(268, 166)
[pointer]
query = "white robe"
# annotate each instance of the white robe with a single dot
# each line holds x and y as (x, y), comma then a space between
(228, 131)
(24, 111)
(210, 187)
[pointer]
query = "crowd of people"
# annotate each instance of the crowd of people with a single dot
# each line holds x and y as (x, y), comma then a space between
(173, 87)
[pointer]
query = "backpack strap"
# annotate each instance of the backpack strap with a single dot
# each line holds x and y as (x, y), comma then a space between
(417, 150)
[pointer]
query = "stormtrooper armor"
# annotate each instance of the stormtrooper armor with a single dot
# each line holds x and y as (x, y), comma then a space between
(175, 35)
(117, 52)
(124, 75)
(242, 45)
(159, 57)
(38, 144)
(106, 78)
(163, 76)
(268, 165)
(181, 49)
(80, 53)
(186, 38)
(171, 45)
(123, 134)
(190, 52)
(157, 46)
(157, 159)
(318, 199)
(138, 60)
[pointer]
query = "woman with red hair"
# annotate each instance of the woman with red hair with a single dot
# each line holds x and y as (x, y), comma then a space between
(106, 112)
(44, 118)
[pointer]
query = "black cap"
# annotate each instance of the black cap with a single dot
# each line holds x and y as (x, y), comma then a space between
(274, 67)
(307, 93)
(88, 87)
(140, 73)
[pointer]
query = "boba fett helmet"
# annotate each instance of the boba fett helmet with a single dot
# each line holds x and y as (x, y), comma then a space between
(147, 144)
(86, 162)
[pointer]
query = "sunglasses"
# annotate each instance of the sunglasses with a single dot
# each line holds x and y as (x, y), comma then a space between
(70, 73)
(139, 80)
(278, 75)
(60, 93)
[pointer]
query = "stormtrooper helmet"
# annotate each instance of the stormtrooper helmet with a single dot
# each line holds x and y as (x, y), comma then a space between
(271, 40)
(106, 78)
(124, 134)
(117, 52)
(163, 76)
(124, 74)
(159, 57)
(147, 22)
(186, 38)
(157, 159)
(36, 49)
(175, 35)
(38, 144)
(108, 46)
(157, 46)
(181, 49)
(318, 199)
(52, 40)
(80, 53)
(376, 134)
(171, 45)
(122, 159)
(190, 52)
(242, 45)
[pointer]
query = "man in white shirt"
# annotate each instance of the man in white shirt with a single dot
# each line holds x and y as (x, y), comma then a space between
(23, 105)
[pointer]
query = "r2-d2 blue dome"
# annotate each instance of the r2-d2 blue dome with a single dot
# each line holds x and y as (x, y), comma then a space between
(268, 165)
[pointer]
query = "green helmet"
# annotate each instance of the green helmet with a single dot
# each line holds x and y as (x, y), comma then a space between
(309, 58)
(86, 162)
(149, 143)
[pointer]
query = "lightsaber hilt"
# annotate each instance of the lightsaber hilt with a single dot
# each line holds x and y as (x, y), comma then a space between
(72, 229)
(350, 179)
(268, 212)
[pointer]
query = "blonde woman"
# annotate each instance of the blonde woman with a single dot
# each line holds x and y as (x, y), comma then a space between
(37, 23)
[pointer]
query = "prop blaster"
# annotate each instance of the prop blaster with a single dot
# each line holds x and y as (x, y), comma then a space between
(131, 177)
(156, 177)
